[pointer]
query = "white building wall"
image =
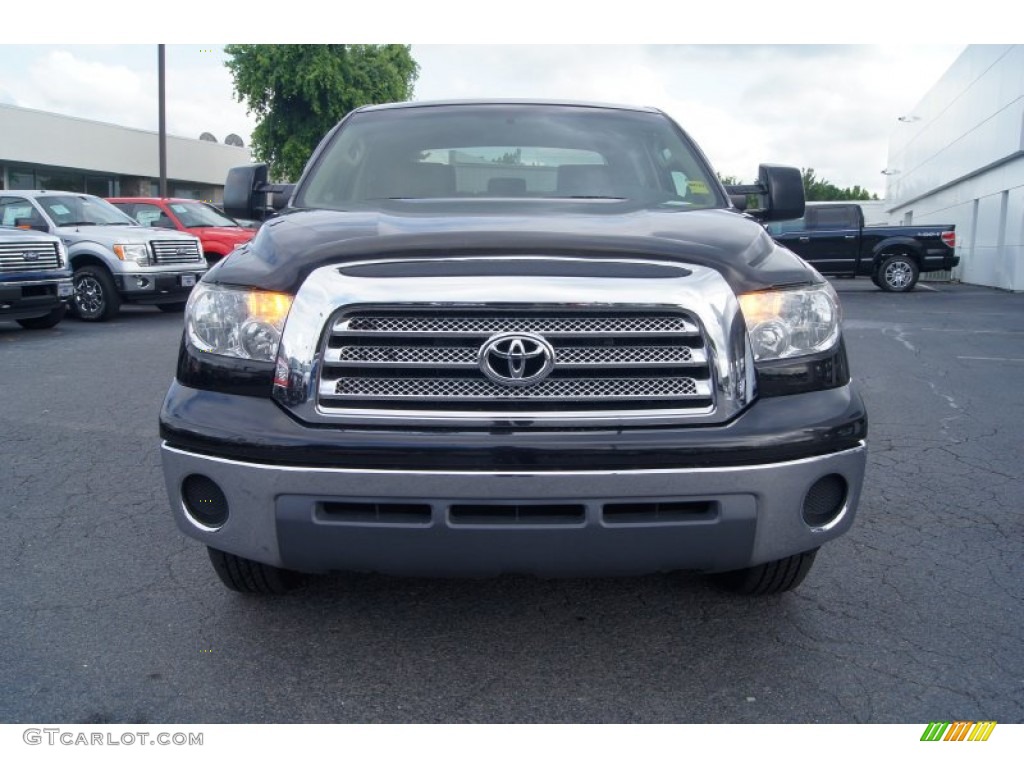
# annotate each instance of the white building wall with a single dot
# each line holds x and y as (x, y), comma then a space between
(958, 158)
(33, 137)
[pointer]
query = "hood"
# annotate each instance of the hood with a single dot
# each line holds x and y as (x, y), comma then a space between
(15, 234)
(224, 234)
(119, 234)
(289, 247)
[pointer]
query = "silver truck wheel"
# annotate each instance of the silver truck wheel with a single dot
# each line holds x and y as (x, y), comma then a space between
(769, 578)
(96, 297)
(243, 575)
(897, 273)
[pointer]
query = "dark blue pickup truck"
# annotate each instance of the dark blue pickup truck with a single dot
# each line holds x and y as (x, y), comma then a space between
(35, 278)
(833, 239)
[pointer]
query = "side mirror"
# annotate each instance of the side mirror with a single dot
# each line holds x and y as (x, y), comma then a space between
(38, 226)
(780, 189)
(246, 189)
(785, 192)
(240, 195)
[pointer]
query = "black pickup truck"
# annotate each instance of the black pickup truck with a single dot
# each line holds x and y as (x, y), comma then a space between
(512, 337)
(833, 239)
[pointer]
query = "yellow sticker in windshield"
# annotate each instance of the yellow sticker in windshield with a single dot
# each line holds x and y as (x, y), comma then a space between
(697, 187)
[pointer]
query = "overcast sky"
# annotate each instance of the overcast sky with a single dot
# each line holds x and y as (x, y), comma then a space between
(829, 107)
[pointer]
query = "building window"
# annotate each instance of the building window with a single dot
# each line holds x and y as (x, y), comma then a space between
(21, 178)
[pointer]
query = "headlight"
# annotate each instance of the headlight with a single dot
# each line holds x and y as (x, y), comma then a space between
(792, 322)
(137, 252)
(236, 322)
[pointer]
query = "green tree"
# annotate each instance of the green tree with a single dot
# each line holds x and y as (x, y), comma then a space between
(816, 189)
(299, 92)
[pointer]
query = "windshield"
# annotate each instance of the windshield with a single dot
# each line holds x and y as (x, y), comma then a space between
(509, 151)
(82, 210)
(200, 215)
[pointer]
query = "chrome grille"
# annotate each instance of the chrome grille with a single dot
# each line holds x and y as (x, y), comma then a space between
(425, 361)
(176, 251)
(28, 256)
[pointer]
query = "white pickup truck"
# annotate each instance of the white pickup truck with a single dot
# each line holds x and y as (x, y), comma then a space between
(114, 260)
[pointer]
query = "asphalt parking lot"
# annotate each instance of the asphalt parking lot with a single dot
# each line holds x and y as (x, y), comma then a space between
(110, 615)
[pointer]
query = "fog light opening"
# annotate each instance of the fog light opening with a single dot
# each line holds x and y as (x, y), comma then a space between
(825, 501)
(204, 501)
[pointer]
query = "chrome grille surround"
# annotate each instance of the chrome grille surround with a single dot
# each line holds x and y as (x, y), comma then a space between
(41, 256)
(402, 351)
(176, 251)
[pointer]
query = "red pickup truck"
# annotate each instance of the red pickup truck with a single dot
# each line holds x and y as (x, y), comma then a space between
(218, 234)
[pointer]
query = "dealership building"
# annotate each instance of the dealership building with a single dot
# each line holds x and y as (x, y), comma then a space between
(42, 150)
(958, 158)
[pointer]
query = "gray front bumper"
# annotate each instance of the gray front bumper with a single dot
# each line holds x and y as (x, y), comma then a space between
(277, 517)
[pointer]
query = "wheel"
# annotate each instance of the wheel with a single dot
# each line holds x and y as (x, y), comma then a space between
(48, 320)
(96, 297)
(243, 575)
(176, 306)
(897, 273)
(769, 578)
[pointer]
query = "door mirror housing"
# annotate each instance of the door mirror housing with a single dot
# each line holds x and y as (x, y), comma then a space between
(780, 189)
(246, 193)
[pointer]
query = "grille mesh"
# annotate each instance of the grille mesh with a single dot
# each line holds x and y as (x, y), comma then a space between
(428, 360)
(450, 324)
(466, 356)
(482, 389)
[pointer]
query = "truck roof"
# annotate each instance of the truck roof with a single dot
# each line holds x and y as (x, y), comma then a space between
(505, 102)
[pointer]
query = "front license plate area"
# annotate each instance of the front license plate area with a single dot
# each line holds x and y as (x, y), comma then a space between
(187, 281)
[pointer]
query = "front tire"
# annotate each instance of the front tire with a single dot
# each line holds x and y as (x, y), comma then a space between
(48, 320)
(898, 273)
(250, 577)
(769, 578)
(96, 298)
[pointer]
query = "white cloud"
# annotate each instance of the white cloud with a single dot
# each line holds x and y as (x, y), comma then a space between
(198, 96)
(62, 82)
(199, 99)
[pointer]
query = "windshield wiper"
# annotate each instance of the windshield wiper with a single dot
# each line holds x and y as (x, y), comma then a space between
(78, 224)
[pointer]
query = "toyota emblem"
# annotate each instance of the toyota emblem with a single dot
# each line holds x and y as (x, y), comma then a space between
(516, 359)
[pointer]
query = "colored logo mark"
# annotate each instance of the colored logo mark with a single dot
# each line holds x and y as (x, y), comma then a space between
(961, 730)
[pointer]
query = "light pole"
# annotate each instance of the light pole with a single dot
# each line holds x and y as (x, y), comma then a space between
(163, 121)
